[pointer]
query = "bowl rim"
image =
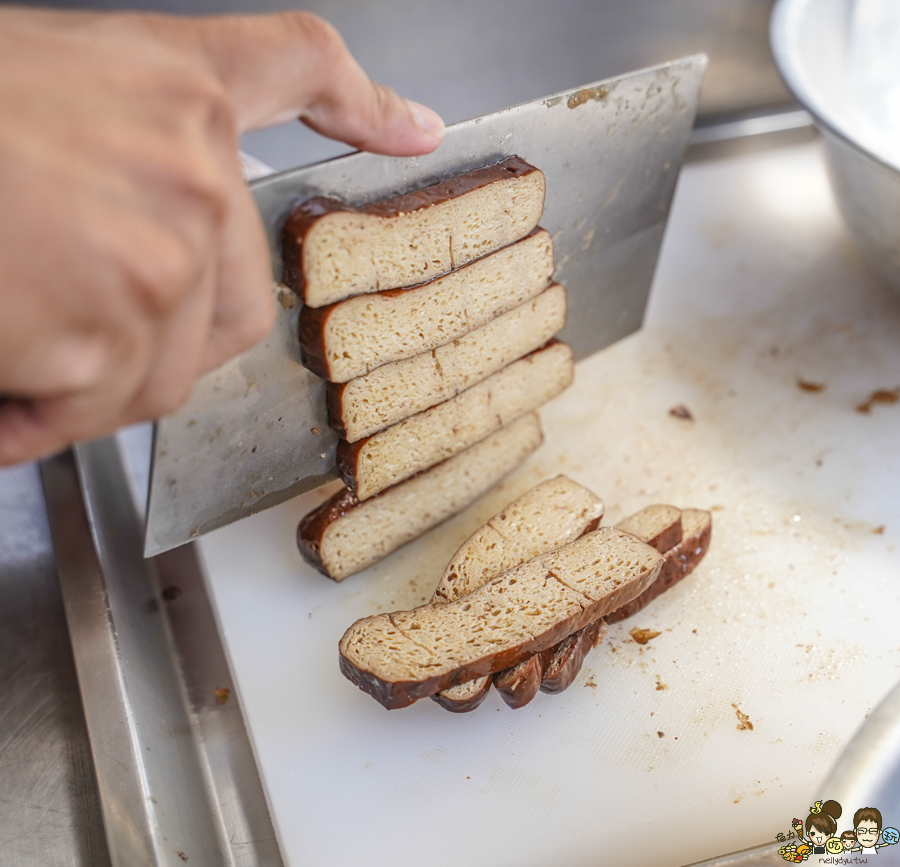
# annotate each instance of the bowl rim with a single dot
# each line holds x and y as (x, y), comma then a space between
(784, 17)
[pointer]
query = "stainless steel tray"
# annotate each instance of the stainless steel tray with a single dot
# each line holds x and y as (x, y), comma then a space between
(177, 777)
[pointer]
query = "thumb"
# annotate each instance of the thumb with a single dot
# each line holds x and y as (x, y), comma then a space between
(295, 65)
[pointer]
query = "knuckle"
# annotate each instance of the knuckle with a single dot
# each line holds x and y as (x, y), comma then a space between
(163, 271)
(316, 32)
(204, 184)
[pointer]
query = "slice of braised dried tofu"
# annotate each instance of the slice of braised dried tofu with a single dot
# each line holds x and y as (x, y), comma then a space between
(396, 391)
(401, 657)
(386, 458)
(678, 561)
(332, 251)
(658, 525)
(568, 656)
(351, 338)
(545, 518)
(344, 536)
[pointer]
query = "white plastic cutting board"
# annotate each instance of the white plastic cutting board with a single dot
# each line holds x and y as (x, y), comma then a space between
(792, 618)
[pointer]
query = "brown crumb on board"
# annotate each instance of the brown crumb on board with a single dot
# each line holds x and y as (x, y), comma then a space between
(182, 856)
(744, 724)
(660, 734)
(642, 636)
(806, 385)
(882, 395)
(660, 685)
(222, 695)
(170, 594)
(681, 411)
(879, 531)
(591, 682)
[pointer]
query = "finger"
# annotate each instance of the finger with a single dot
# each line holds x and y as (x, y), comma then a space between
(23, 434)
(30, 429)
(279, 67)
(244, 309)
(147, 387)
(178, 353)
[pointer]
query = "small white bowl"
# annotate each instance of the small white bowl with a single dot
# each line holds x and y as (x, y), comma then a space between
(842, 64)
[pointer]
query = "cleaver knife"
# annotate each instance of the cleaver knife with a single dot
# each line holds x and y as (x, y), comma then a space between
(255, 432)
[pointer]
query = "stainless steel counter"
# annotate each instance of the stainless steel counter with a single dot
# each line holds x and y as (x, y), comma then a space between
(49, 806)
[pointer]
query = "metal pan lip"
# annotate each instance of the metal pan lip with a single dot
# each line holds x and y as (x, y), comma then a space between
(789, 17)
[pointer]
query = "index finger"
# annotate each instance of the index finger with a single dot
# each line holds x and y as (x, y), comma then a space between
(295, 65)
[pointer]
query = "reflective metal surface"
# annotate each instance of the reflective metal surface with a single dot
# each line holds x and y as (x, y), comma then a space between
(49, 804)
(175, 769)
(812, 42)
(868, 195)
(868, 772)
(758, 856)
(611, 153)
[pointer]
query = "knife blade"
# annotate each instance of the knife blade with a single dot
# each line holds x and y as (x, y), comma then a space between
(255, 432)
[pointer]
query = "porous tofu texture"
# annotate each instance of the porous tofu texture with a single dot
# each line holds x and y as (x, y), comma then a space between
(678, 561)
(657, 525)
(350, 252)
(356, 336)
(406, 655)
(396, 391)
(417, 443)
(371, 530)
(545, 518)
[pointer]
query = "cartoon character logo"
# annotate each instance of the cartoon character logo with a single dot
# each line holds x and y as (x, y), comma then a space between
(818, 834)
(834, 846)
(821, 824)
(867, 828)
(848, 840)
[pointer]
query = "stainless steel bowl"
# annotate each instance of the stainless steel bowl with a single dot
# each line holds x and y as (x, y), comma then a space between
(816, 48)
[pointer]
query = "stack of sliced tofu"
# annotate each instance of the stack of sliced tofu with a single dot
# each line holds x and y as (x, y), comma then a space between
(432, 317)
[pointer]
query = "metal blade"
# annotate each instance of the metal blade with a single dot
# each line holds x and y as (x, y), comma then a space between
(255, 432)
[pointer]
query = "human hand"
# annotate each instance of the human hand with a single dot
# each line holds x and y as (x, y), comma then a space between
(132, 258)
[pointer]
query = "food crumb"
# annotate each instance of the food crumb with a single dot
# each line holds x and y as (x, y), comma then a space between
(879, 531)
(182, 856)
(642, 636)
(171, 593)
(314, 430)
(682, 412)
(660, 685)
(744, 724)
(222, 694)
(881, 395)
(660, 734)
(591, 682)
(806, 385)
